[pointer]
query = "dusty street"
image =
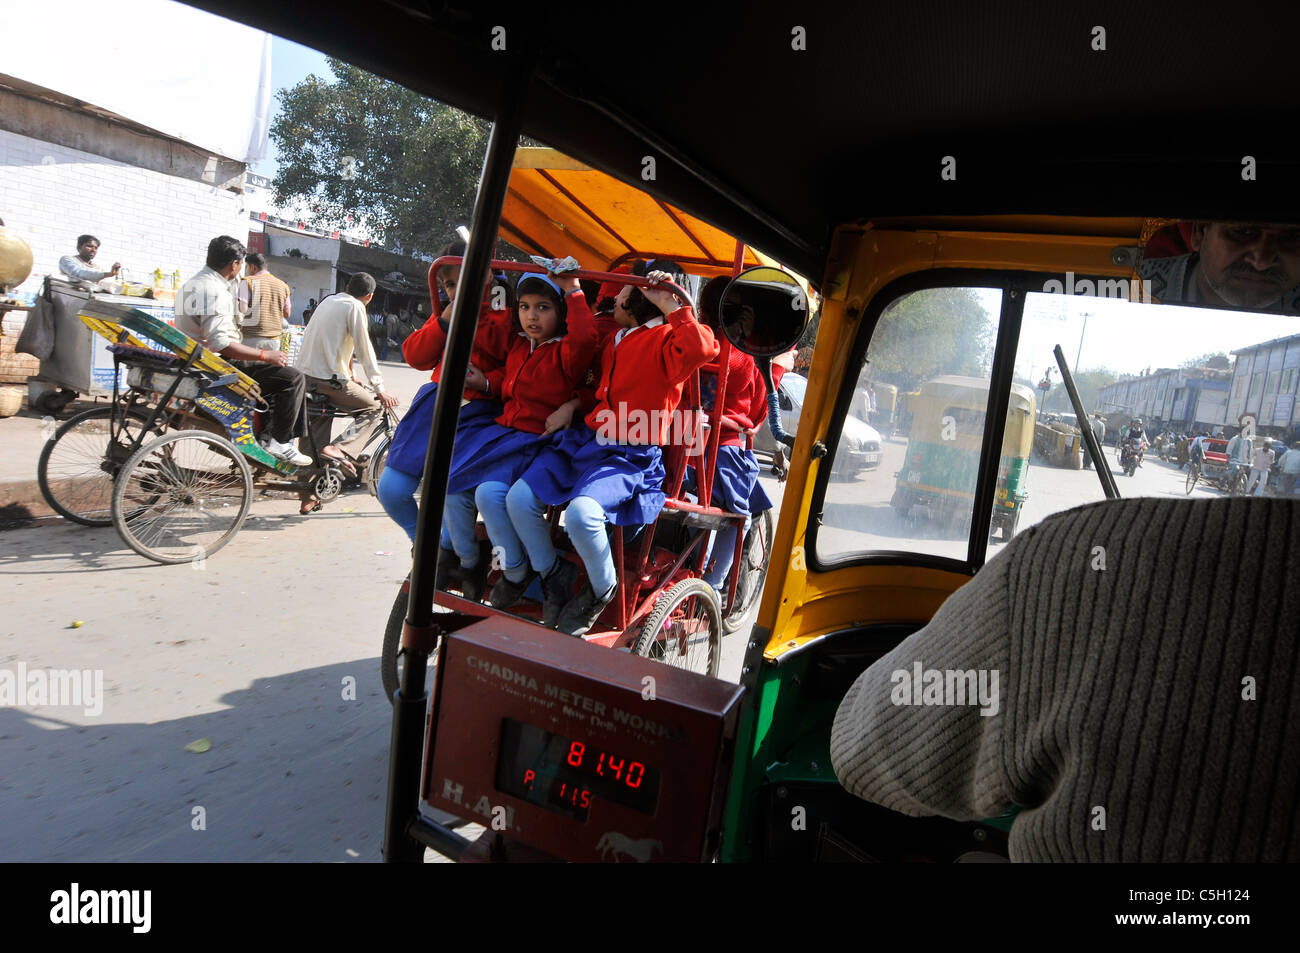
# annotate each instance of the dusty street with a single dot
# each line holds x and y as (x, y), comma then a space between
(253, 652)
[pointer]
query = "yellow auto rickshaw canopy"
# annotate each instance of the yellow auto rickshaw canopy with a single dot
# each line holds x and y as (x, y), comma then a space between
(557, 206)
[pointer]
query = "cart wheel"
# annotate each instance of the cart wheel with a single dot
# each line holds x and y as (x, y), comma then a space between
(1193, 474)
(392, 657)
(684, 629)
(182, 497)
(753, 570)
(77, 466)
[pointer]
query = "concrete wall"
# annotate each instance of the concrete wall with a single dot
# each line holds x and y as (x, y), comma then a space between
(50, 194)
(306, 278)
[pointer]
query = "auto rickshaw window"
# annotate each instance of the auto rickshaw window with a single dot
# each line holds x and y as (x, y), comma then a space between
(1180, 371)
(903, 471)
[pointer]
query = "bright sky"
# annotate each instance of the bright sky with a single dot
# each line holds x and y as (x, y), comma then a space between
(291, 63)
(1128, 337)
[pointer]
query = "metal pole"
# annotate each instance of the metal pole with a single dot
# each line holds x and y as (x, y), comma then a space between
(409, 705)
(1079, 353)
(1107, 478)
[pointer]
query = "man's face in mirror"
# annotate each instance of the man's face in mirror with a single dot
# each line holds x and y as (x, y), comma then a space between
(1244, 265)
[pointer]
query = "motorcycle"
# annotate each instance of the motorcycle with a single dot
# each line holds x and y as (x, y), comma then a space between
(1130, 457)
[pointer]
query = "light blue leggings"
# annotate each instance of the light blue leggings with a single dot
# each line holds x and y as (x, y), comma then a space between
(724, 544)
(396, 492)
(584, 521)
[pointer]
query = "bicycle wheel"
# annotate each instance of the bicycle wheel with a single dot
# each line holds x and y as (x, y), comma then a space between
(753, 571)
(684, 629)
(375, 465)
(79, 463)
(182, 497)
(1193, 474)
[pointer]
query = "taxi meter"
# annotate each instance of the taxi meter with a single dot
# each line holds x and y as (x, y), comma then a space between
(584, 752)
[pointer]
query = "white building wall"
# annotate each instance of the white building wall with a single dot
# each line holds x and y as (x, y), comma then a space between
(50, 194)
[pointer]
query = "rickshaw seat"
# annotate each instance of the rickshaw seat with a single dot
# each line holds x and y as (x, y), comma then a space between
(698, 516)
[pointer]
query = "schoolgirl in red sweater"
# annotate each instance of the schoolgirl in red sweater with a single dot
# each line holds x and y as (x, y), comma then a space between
(610, 468)
(461, 563)
(550, 353)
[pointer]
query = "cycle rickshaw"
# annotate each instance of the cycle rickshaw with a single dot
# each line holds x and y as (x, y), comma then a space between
(662, 608)
(172, 458)
(1216, 469)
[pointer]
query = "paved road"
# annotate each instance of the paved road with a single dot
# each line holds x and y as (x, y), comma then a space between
(251, 652)
(858, 514)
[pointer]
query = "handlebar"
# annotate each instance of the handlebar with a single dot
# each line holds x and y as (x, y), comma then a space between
(612, 276)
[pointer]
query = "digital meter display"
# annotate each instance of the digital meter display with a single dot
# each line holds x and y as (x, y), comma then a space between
(564, 775)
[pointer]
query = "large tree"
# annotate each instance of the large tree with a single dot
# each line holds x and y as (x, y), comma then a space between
(932, 332)
(400, 164)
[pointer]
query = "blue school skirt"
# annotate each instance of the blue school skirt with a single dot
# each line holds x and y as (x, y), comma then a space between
(411, 439)
(735, 482)
(492, 454)
(626, 480)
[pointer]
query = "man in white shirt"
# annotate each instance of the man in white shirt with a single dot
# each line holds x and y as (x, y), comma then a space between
(1260, 464)
(206, 311)
(339, 330)
(80, 267)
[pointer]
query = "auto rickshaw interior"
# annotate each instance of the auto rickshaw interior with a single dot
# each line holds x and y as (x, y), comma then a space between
(942, 181)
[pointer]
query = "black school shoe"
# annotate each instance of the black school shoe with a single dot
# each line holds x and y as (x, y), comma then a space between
(557, 588)
(505, 593)
(449, 572)
(583, 610)
(472, 583)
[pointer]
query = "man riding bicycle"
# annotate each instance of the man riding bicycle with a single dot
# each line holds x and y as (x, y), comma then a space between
(338, 331)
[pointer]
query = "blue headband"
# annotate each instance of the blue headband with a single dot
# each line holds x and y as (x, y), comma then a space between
(538, 277)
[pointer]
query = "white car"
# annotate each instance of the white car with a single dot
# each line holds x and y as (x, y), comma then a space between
(860, 443)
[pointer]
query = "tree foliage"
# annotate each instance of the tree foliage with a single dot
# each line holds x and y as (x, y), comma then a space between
(400, 164)
(1218, 360)
(932, 332)
(1088, 382)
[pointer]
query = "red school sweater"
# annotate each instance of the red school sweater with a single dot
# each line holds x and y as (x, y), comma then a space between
(746, 397)
(537, 380)
(423, 349)
(646, 371)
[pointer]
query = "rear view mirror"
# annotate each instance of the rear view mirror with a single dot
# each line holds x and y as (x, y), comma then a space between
(1217, 265)
(764, 311)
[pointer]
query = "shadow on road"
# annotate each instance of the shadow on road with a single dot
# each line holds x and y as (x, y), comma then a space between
(294, 773)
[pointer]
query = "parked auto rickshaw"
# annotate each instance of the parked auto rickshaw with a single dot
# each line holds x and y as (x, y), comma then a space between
(554, 745)
(943, 453)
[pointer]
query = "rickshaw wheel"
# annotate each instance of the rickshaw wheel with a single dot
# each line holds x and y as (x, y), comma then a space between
(77, 466)
(1193, 474)
(392, 655)
(1237, 483)
(182, 497)
(753, 571)
(684, 629)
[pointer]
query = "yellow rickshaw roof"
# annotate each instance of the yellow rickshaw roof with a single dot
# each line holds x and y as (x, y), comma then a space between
(557, 206)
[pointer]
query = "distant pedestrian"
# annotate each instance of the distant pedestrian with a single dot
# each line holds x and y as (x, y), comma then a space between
(1290, 470)
(1260, 464)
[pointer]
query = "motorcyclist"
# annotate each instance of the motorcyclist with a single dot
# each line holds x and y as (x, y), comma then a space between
(1135, 440)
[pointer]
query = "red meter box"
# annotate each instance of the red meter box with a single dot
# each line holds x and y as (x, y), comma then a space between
(583, 752)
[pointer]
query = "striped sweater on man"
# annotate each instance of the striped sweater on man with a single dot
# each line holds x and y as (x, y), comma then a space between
(1148, 680)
